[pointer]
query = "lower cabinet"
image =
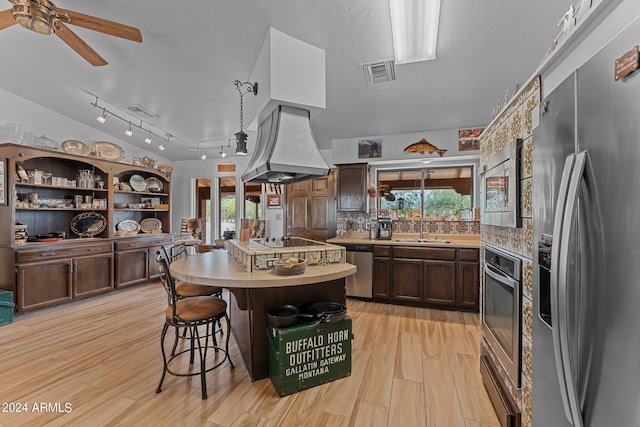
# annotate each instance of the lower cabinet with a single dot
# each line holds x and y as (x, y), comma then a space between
(136, 260)
(381, 273)
(430, 277)
(54, 274)
(49, 276)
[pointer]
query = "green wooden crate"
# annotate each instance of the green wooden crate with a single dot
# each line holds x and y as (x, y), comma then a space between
(309, 354)
(6, 307)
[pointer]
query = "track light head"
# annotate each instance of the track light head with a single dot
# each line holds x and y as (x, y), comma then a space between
(203, 156)
(162, 147)
(223, 154)
(102, 118)
(129, 132)
(148, 139)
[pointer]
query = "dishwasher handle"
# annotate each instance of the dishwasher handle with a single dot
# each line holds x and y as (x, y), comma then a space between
(359, 248)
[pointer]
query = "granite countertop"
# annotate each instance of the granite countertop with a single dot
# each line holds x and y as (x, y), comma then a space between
(431, 240)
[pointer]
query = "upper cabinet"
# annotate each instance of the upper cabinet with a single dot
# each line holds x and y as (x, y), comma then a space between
(352, 187)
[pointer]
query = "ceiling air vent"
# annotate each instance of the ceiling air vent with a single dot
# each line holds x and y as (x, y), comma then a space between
(139, 110)
(379, 71)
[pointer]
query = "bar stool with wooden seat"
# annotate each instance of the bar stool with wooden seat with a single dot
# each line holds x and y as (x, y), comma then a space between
(192, 314)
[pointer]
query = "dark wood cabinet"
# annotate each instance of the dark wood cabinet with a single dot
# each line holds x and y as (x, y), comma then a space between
(136, 259)
(381, 273)
(440, 282)
(427, 276)
(42, 274)
(408, 280)
(43, 284)
(352, 187)
(94, 275)
(468, 290)
(54, 274)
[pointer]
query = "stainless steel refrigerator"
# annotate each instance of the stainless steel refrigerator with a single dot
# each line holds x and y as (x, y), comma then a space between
(586, 207)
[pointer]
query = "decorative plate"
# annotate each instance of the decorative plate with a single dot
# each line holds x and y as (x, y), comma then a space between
(128, 225)
(138, 183)
(107, 151)
(154, 184)
(147, 225)
(88, 224)
(71, 146)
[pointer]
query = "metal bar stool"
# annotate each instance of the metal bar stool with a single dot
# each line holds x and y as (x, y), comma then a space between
(192, 314)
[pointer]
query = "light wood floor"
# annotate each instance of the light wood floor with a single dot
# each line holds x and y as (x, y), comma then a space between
(411, 367)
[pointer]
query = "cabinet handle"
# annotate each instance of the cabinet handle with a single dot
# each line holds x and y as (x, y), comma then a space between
(94, 249)
(50, 253)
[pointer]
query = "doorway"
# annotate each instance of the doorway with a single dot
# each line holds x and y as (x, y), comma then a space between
(203, 206)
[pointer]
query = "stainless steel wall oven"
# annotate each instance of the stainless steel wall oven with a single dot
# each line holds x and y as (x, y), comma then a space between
(501, 308)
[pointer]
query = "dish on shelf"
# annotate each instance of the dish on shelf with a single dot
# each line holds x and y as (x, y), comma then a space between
(154, 185)
(107, 151)
(49, 239)
(71, 146)
(148, 225)
(88, 224)
(138, 183)
(128, 225)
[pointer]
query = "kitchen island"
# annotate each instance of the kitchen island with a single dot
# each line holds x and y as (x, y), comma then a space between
(253, 293)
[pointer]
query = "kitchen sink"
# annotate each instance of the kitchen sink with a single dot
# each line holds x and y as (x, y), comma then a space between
(421, 241)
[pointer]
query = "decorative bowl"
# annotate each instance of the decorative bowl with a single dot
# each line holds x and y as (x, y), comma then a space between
(290, 266)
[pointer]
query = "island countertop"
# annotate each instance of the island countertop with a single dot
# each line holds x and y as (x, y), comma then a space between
(217, 268)
(251, 294)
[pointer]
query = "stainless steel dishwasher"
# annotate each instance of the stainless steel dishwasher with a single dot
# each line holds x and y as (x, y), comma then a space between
(360, 285)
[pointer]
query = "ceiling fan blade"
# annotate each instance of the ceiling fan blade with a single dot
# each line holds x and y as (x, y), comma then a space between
(77, 44)
(99, 24)
(6, 19)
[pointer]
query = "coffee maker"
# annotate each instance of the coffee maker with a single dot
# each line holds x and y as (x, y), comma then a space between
(385, 230)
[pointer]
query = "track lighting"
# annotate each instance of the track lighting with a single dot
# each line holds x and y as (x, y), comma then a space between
(223, 153)
(103, 117)
(129, 132)
(161, 147)
(203, 156)
(148, 139)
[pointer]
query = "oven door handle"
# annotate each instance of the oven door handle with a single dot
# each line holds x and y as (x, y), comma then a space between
(498, 275)
(565, 212)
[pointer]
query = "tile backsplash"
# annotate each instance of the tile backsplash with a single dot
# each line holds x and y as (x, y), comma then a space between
(361, 223)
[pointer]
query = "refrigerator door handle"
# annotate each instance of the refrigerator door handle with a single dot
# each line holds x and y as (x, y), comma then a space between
(556, 284)
(563, 289)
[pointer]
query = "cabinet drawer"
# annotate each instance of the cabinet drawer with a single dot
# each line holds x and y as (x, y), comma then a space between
(469, 255)
(443, 254)
(383, 251)
(137, 243)
(62, 251)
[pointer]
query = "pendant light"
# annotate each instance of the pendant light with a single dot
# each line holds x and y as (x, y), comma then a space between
(241, 137)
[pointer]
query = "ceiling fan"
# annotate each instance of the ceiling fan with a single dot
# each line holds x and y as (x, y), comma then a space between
(44, 17)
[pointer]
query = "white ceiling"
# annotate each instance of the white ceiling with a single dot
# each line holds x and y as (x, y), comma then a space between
(192, 52)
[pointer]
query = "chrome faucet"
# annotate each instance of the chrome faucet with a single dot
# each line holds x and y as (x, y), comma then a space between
(418, 217)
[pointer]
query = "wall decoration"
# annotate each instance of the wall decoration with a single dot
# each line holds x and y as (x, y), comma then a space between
(414, 214)
(368, 148)
(468, 139)
(423, 146)
(274, 200)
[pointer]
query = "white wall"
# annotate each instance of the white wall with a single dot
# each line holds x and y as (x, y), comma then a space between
(346, 150)
(40, 120)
